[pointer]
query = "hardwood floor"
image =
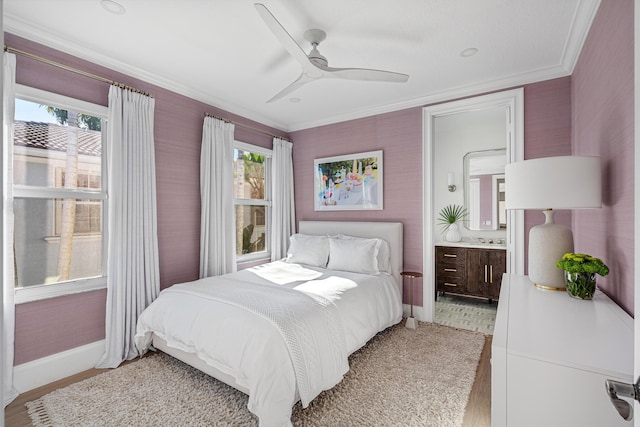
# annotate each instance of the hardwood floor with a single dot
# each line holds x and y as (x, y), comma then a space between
(477, 414)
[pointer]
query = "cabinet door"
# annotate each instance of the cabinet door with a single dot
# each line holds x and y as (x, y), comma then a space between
(497, 261)
(477, 273)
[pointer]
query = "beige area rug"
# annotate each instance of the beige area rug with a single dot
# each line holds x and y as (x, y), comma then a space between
(402, 377)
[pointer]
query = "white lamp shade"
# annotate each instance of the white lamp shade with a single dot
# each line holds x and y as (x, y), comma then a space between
(565, 182)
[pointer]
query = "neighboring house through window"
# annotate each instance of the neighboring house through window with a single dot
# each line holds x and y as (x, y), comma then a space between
(60, 195)
(252, 199)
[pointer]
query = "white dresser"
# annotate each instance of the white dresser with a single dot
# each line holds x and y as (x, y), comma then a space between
(551, 355)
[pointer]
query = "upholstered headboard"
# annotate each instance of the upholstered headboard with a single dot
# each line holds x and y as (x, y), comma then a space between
(392, 232)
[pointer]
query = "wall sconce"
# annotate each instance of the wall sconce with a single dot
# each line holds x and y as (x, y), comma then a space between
(451, 182)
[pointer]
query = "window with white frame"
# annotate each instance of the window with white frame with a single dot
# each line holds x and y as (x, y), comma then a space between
(60, 194)
(252, 199)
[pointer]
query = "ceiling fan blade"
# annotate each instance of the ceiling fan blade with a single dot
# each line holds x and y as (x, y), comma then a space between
(297, 84)
(281, 34)
(364, 74)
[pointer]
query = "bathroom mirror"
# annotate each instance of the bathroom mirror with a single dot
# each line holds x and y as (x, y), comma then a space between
(484, 189)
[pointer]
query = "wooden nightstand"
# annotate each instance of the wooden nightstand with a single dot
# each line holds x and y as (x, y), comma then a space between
(411, 321)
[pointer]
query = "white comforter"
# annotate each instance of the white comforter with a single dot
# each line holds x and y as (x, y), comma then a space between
(232, 323)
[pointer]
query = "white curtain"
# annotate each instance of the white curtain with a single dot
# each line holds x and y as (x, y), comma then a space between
(8, 308)
(132, 273)
(217, 213)
(283, 213)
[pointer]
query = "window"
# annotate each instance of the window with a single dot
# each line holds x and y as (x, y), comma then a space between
(60, 195)
(252, 199)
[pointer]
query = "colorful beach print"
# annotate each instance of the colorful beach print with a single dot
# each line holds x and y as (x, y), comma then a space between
(349, 182)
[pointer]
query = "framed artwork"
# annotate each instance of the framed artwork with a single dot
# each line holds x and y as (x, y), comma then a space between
(349, 182)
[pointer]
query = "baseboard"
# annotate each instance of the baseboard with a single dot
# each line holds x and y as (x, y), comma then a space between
(37, 373)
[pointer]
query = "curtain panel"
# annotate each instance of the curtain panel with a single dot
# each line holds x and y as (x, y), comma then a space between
(133, 280)
(217, 216)
(9, 393)
(283, 213)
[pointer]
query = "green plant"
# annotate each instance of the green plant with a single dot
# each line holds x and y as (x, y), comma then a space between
(451, 214)
(582, 263)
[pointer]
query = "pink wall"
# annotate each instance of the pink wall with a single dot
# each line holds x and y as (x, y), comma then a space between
(486, 201)
(603, 125)
(547, 133)
(399, 135)
(54, 325)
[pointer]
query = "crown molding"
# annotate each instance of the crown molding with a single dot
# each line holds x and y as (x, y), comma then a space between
(448, 95)
(55, 41)
(582, 20)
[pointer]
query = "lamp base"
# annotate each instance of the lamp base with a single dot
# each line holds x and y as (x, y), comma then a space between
(548, 242)
(549, 288)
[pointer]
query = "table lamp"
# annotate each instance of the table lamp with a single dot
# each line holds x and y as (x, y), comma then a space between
(548, 183)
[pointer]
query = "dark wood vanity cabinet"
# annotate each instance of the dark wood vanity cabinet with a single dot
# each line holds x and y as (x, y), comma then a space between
(470, 271)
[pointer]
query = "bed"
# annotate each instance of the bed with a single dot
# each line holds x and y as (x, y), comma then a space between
(282, 332)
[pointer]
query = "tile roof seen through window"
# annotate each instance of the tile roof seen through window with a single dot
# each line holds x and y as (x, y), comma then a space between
(49, 136)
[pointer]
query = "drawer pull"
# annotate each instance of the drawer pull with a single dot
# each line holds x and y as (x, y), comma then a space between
(450, 255)
(485, 273)
(450, 269)
(450, 284)
(491, 273)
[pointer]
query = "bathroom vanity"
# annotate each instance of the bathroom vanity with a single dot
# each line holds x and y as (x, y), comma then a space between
(470, 269)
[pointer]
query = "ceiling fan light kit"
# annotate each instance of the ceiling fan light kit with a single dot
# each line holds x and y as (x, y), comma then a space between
(315, 65)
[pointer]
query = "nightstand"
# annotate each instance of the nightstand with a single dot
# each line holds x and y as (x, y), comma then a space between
(411, 321)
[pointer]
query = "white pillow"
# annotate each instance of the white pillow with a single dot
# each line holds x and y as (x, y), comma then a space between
(384, 252)
(356, 255)
(309, 250)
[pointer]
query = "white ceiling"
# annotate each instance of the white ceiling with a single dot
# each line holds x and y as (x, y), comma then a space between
(222, 53)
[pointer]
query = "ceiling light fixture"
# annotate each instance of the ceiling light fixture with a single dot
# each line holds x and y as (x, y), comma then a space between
(112, 7)
(468, 52)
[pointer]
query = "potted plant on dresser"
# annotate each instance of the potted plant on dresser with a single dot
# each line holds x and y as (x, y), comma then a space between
(580, 273)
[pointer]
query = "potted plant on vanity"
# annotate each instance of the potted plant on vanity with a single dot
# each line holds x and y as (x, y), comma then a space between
(580, 273)
(448, 219)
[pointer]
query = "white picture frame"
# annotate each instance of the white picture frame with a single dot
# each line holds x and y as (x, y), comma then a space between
(349, 182)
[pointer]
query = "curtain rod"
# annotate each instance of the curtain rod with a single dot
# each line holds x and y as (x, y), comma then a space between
(251, 128)
(73, 70)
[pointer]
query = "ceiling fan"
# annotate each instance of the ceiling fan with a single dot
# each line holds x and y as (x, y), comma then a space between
(314, 65)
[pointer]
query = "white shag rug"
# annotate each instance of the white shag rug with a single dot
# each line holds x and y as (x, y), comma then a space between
(402, 377)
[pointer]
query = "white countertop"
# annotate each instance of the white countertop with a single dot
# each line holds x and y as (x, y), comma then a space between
(463, 244)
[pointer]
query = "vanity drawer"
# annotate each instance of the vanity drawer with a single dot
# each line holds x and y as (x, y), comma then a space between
(451, 273)
(451, 269)
(450, 284)
(450, 255)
